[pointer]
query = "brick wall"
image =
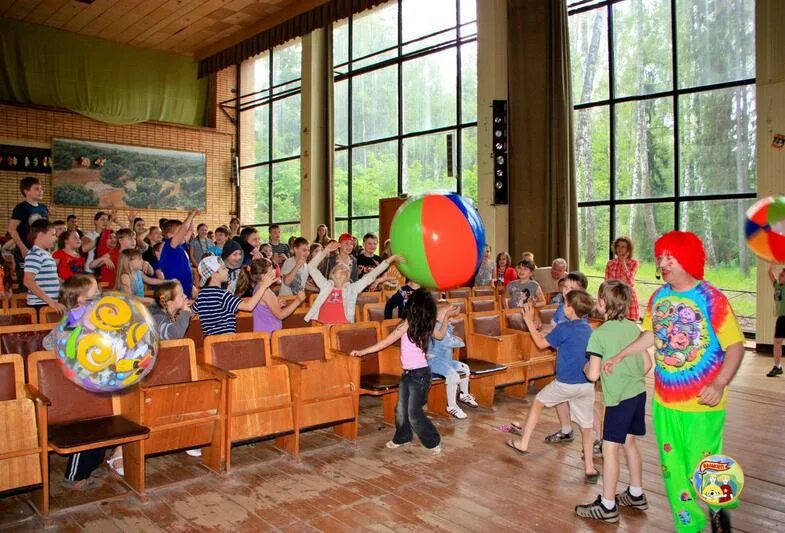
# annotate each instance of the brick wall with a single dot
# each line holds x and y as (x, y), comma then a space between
(41, 125)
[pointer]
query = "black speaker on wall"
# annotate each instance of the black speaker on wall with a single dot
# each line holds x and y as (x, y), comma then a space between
(501, 181)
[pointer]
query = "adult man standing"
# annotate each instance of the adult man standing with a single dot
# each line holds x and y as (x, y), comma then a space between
(699, 347)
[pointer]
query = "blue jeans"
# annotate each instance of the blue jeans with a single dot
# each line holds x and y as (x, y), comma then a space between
(409, 414)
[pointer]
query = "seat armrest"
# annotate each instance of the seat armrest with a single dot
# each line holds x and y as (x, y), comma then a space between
(216, 372)
(35, 395)
(291, 363)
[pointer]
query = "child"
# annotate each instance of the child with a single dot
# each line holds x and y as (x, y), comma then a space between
(441, 362)
(200, 245)
(569, 339)
(40, 269)
(503, 273)
(344, 256)
(572, 281)
(174, 261)
(77, 290)
(295, 269)
(216, 307)
(624, 395)
(779, 328)
(415, 332)
(524, 288)
(310, 286)
(338, 295)
(68, 257)
(398, 300)
(484, 275)
(558, 297)
(171, 310)
(221, 236)
(130, 279)
(268, 315)
(529, 256)
(22, 217)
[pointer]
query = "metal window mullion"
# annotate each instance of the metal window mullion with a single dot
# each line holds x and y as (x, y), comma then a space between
(349, 133)
(270, 147)
(457, 156)
(400, 97)
(612, 133)
(676, 133)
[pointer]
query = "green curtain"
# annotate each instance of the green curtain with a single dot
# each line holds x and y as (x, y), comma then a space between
(102, 80)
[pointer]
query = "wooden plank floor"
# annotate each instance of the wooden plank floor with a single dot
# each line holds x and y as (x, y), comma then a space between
(475, 485)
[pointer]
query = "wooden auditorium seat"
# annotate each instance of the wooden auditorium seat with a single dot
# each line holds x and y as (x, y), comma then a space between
(374, 312)
(17, 301)
(24, 339)
(380, 373)
(541, 363)
(76, 420)
(24, 454)
(459, 292)
(484, 291)
(48, 315)
(182, 403)
(478, 304)
(482, 382)
(296, 320)
(461, 303)
(365, 298)
(258, 392)
(325, 383)
(18, 317)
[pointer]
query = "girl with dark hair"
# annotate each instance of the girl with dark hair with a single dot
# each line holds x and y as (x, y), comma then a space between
(268, 315)
(415, 332)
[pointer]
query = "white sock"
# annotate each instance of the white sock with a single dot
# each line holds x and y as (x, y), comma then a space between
(636, 491)
(608, 504)
(566, 430)
(779, 365)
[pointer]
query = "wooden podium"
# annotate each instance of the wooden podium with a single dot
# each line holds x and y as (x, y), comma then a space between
(387, 209)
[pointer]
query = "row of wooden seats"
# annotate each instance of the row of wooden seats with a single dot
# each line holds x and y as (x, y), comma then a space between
(244, 386)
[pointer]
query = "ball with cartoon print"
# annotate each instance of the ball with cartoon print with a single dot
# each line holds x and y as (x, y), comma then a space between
(718, 480)
(107, 344)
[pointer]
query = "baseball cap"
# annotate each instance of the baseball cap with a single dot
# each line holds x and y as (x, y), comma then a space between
(207, 267)
(345, 237)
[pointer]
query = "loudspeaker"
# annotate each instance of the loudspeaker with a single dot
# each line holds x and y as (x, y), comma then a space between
(501, 181)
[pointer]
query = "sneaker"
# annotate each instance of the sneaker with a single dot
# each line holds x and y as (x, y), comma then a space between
(80, 485)
(436, 450)
(560, 437)
(720, 521)
(457, 412)
(597, 511)
(597, 448)
(196, 452)
(625, 499)
(468, 399)
(774, 372)
(390, 444)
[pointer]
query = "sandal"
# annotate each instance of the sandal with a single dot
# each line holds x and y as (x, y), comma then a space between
(592, 479)
(112, 462)
(511, 444)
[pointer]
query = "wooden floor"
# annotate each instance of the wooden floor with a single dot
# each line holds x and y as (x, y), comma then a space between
(475, 485)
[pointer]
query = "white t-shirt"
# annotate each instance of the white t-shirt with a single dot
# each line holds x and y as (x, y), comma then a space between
(93, 236)
(298, 282)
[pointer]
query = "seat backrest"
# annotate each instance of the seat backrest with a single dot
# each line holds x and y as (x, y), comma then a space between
(348, 337)
(487, 323)
(484, 291)
(301, 344)
(375, 312)
(19, 300)
(296, 320)
(244, 322)
(48, 315)
(70, 402)
(459, 292)
(24, 339)
(546, 314)
(12, 377)
(460, 303)
(175, 363)
(18, 317)
(482, 303)
(514, 320)
(234, 351)
(369, 298)
(195, 332)
(437, 295)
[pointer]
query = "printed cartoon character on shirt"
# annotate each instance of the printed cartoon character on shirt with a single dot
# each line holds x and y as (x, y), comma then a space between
(680, 333)
(334, 297)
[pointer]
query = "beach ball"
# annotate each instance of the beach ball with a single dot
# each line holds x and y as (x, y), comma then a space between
(108, 344)
(765, 229)
(718, 480)
(441, 237)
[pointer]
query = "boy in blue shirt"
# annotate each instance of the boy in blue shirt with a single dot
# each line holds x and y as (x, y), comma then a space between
(569, 339)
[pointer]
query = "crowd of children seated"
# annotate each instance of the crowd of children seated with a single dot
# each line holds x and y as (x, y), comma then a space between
(182, 268)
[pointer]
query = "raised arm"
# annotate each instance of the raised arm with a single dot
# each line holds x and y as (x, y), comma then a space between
(369, 278)
(396, 334)
(248, 304)
(182, 233)
(772, 277)
(313, 265)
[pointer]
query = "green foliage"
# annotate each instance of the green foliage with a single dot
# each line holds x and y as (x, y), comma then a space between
(69, 194)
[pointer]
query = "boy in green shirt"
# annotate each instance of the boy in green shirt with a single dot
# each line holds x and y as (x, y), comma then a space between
(624, 395)
(779, 329)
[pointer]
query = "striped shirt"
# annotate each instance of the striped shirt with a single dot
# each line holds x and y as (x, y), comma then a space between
(217, 310)
(40, 263)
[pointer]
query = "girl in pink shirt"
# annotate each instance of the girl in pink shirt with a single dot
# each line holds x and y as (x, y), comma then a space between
(415, 332)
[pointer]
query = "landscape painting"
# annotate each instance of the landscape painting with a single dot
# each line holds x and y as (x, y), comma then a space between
(118, 176)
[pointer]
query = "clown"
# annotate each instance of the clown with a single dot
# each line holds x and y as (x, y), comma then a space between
(699, 347)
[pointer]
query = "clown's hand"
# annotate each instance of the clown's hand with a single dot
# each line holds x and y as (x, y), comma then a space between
(711, 394)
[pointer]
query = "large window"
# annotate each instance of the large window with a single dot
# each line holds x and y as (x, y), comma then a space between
(270, 138)
(664, 122)
(405, 106)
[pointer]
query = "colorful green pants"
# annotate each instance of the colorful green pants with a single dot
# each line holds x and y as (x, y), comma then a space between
(684, 438)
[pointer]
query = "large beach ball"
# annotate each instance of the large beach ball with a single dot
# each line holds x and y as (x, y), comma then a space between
(765, 228)
(442, 238)
(108, 344)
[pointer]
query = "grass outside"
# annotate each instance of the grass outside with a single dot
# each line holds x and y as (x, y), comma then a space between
(740, 289)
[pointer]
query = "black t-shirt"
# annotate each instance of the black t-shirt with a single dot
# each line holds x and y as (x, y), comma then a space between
(27, 213)
(365, 264)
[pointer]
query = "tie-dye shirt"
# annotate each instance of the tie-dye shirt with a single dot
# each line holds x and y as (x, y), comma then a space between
(692, 329)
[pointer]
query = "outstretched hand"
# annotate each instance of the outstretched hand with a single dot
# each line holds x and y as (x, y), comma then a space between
(332, 247)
